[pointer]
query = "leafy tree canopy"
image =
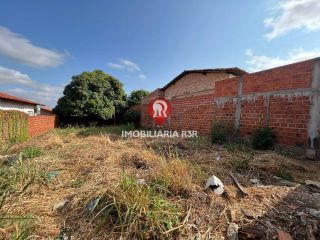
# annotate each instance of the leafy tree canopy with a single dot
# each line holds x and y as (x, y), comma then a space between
(91, 96)
(136, 97)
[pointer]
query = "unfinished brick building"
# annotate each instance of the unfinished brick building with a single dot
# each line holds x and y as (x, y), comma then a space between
(285, 98)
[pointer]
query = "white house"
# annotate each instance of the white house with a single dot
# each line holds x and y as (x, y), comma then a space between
(8, 102)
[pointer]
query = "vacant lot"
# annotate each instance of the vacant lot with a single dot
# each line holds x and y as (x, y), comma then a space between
(89, 183)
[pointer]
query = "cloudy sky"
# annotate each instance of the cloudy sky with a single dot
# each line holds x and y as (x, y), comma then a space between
(147, 43)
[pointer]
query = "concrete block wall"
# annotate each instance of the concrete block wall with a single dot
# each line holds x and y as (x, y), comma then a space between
(285, 98)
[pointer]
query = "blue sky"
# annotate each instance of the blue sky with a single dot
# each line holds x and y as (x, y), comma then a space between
(144, 43)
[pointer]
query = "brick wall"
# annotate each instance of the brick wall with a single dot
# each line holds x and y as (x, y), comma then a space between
(279, 98)
(16, 125)
(285, 98)
(40, 124)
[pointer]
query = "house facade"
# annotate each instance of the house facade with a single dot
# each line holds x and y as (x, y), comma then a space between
(39, 118)
(9, 102)
(196, 87)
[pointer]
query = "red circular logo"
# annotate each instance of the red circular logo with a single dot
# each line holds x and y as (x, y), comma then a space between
(159, 109)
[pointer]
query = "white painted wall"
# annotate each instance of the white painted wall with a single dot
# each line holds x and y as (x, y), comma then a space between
(11, 105)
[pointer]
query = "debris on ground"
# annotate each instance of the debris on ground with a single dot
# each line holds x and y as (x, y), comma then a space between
(92, 204)
(52, 174)
(313, 183)
(10, 159)
(141, 181)
(217, 156)
(232, 231)
(236, 181)
(286, 182)
(215, 184)
(63, 235)
(314, 213)
(254, 180)
(61, 205)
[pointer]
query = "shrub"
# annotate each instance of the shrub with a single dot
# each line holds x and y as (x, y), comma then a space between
(132, 117)
(263, 138)
(219, 133)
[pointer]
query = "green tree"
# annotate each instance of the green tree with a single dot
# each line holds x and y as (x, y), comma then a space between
(91, 97)
(136, 97)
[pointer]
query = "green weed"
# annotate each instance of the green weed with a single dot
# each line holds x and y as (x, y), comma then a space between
(14, 181)
(284, 173)
(137, 211)
(220, 132)
(89, 131)
(31, 152)
(263, 138)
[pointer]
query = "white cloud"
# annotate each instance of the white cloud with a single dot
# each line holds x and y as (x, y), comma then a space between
(9, 76)
(262, 62)
(18, 48)
(142, 76)
(125, 64)
(115, 65)
(32, 90)
(294, 14)
(48, 98)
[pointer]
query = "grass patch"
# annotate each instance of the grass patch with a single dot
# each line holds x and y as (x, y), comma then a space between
(94, 130)
(236, 145)
(31, 152)
(89, 131)
(137, 211)
(64, 132)
(175, 175)
(284, 173)
(20, 227)
(14, 181)
(18, 177)
(199, 142)
(241, 164)
(168, 150)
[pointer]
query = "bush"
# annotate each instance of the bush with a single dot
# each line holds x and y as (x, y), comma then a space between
(219, 133)
(132, 117)
(263, 138)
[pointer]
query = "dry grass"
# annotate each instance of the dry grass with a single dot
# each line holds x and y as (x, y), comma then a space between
(83, 165)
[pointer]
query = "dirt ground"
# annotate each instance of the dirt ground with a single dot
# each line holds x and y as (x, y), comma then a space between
(77, 166)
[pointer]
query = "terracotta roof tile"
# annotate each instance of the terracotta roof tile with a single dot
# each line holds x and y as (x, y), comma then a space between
(17, 99)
